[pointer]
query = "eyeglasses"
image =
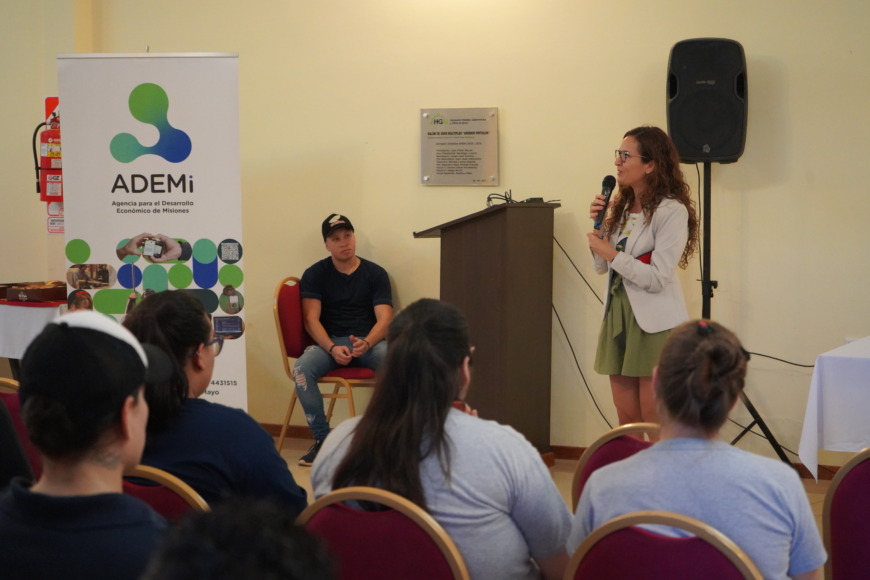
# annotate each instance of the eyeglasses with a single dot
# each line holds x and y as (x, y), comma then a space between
(624, 155)
(217, 344)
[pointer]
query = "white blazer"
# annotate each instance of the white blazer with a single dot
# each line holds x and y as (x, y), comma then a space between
(653, 289)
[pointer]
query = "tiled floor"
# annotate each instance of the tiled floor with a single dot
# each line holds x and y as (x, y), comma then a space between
(563, 474)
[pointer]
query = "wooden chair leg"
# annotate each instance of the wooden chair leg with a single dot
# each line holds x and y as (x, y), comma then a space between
(351, 410)
(332, 399)
(280, 442)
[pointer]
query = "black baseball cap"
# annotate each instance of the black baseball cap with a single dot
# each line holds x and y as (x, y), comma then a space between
(335, 222)
(89, 363)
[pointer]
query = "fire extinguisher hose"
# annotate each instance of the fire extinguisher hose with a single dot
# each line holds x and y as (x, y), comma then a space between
(35, 155)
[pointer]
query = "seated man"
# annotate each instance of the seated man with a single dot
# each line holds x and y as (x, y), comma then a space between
(82, 384)
(347, 306)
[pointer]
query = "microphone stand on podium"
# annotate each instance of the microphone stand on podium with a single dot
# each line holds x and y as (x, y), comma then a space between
(707, 287)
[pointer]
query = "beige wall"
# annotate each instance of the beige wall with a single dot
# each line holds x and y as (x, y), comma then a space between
(330, 93)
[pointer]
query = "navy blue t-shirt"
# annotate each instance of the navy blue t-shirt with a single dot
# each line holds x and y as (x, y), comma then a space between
(108, 535)
(223, 452)
(347, 301)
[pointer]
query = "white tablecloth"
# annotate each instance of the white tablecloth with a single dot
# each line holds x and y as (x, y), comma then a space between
(20, 324)
(838, 407)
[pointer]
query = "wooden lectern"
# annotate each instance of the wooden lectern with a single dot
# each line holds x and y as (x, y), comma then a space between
(497, 268)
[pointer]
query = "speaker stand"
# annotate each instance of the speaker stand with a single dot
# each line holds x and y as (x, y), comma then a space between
(707, 287)
(757, 420)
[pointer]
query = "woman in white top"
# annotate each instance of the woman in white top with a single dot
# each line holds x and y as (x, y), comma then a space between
(650, 228)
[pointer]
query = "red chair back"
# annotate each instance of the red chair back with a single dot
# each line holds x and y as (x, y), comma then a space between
(289, 310)
(403, 541)
(623, 554)
(165, 493)
(376, 545)
(13, 405)
(847, 520)
(620, 550)
(162, 500)
(614, 450)
(13, 461)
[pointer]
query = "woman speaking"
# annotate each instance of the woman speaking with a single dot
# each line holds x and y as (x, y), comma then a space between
(650, 228)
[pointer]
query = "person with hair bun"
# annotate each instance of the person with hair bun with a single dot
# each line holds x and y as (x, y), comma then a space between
(482, 481)
(758, 502)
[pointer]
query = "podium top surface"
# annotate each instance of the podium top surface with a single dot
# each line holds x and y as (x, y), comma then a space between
(435, 232)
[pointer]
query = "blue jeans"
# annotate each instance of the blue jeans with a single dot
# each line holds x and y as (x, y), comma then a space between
(316, 362)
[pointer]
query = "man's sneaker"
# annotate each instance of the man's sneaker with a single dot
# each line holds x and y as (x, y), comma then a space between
(308, 458)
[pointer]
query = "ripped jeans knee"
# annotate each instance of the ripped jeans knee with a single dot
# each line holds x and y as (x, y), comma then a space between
(299, 378)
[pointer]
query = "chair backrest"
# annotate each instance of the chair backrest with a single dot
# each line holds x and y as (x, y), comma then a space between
(13, 405)
(166, 494)
(8, 385)
(619, 550)
(403, 541)
(615, 445)
(846, 520)
(13, 460)
(288, 319)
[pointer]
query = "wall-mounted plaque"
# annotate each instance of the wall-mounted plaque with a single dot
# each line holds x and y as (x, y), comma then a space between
(459, 146)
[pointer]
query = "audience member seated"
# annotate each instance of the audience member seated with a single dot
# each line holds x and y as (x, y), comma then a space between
(241, 538)
(483, 482)
(83, 403)
(220, 451)
(758, 502)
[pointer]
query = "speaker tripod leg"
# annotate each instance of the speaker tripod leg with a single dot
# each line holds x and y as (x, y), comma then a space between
(757, 420)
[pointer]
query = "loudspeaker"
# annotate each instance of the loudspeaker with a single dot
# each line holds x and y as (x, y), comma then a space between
(707, 99)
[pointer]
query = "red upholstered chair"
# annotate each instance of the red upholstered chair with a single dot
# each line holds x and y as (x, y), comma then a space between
(613, 446)
(846, 520)
(13, 405)
(13, 461)
(619, 550)
(403, 541)
(166, 494)
(293, 340)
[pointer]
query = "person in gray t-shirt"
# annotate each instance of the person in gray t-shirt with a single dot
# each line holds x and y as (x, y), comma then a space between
(483, 482)
(758, 502)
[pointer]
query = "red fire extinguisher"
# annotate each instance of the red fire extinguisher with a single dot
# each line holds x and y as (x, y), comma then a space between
(49, 169)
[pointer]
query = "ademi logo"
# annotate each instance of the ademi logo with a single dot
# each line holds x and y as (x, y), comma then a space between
(149, 104)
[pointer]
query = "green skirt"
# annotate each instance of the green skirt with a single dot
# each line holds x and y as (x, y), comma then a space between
(623, 347)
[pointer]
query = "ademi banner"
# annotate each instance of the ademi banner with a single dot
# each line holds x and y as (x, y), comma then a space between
(152, 190)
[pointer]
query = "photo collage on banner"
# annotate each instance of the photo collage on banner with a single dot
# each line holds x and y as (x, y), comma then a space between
(152, 190)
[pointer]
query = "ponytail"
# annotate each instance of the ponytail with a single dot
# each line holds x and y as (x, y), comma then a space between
(404, 422)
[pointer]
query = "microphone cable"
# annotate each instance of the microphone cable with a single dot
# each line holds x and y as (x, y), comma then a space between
(580, 370)
(576, 269)
(568, 340)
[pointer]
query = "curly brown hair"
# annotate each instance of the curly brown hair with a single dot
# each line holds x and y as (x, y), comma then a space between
(665, 181)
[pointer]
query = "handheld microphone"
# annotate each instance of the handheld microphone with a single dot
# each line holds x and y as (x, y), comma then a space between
(607, 186)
